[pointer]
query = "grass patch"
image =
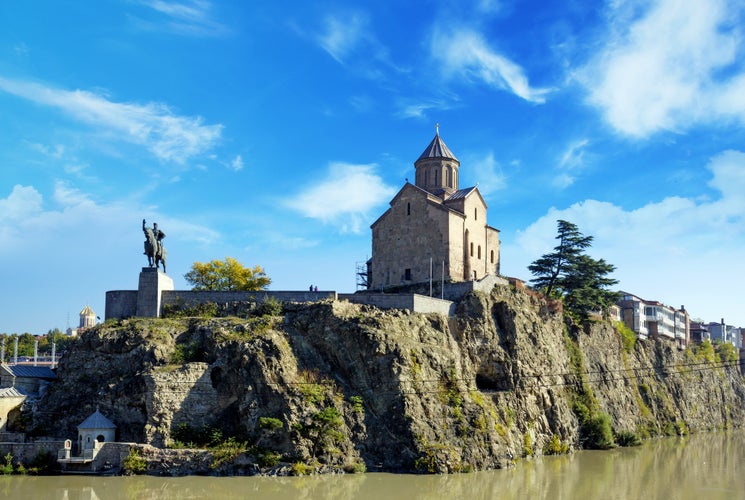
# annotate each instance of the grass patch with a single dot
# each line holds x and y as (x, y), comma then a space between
(628, 336)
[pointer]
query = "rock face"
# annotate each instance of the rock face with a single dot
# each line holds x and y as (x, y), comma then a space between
(339, 385)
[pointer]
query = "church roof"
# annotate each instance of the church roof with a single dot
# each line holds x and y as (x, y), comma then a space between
(11, 392)
(97, 421)
(437, 149)
(30, 371)
(87, 311)
(461, 193)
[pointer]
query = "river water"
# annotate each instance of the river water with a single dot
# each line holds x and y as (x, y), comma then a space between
(700, 467)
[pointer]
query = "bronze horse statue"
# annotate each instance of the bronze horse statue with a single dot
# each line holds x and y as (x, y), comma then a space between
(154, 249)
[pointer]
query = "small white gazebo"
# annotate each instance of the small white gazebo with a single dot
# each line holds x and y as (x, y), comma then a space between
(95, 429)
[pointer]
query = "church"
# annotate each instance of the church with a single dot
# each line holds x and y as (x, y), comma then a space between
(433, 229)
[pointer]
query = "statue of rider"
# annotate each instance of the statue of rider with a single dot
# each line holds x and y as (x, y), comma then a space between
(159, 235)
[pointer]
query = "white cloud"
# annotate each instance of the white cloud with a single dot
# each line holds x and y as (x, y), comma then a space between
(464, 53)
(342, 34)
(190, 17)
(573, 157)
(166, 135)
(677, 250)
(23, 202)
(346, 197)
(490, 175)
(675, 66)
(237, 163)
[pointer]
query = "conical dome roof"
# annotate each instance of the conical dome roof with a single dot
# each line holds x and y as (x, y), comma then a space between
(97, 421)
(87, 311)
(437, 149)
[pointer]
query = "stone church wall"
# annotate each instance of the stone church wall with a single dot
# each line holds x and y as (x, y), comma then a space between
(412, 232)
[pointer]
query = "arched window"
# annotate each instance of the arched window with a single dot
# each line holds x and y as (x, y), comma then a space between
(408, 209)
(479, 254)
(435, 177)
(100, 438)
(491, 256)
(426, 178)
(450, 177)
(475, 214)
(472, 249)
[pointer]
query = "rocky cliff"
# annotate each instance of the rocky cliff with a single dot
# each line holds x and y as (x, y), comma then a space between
(335, 385)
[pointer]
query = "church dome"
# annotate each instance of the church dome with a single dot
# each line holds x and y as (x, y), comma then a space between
(437, 149)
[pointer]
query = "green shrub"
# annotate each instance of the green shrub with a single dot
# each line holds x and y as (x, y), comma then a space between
(597, 432)
(7, 468)
(227, 451)
(270, 423)
(268, 458)
(727, 352)
(301, 469)
(527, 445)
(555, 446)
(357, 404)
(187, 353)
(269, 307)
(355, 468)
(134, 463)
(627, 438)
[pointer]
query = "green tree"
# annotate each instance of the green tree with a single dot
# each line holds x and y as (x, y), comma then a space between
(226, 275)
(570, 274)
(550, 268)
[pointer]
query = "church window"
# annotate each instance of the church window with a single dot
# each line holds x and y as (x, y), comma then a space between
(100, 438)
(471, 249)
(479, 254)
(408, 209)
(450, 177)
(407, 274)
(435, 177)
(475, 214)
(491, 257)
(426, 178)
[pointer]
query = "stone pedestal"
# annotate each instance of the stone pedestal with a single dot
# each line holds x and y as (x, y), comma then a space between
(152, 283)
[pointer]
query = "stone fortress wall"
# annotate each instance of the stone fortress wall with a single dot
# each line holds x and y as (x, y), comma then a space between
(156, 292)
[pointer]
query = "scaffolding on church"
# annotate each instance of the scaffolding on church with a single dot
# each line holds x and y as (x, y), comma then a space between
(361, 274)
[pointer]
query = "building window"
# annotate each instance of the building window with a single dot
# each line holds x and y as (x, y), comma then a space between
(471, 249)
(407, 274)
(408, 209)
(450, 177)
(475, 214)
(479, 254)
(491, 256)
(426, 178)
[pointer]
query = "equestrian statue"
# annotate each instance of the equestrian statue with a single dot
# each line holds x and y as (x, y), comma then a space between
(154, 249)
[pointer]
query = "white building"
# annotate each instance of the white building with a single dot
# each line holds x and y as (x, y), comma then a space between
(654, 319)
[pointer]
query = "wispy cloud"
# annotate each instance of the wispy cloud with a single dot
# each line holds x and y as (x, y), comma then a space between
(191, 17)
(679, 244)
(675, 66)
(155, 126)
(237, 163)
(346, 196)
(465, 53)
(343, 33)
(574, 155)
(491, 178)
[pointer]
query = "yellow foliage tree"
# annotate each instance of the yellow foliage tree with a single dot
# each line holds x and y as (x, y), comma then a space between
(227, 275)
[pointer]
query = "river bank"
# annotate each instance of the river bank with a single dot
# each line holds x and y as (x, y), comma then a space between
(707, 465)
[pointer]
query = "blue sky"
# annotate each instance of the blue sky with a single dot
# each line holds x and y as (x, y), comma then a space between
(277, 132)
